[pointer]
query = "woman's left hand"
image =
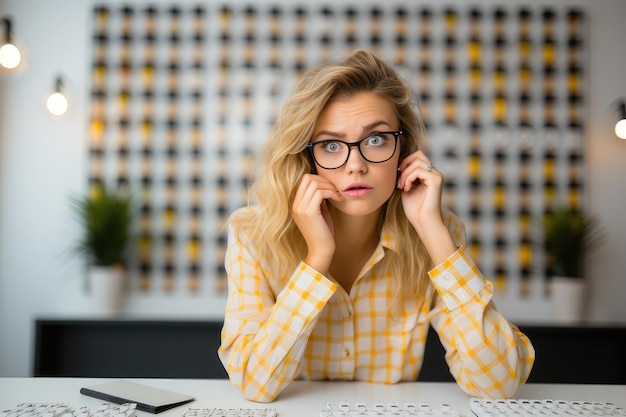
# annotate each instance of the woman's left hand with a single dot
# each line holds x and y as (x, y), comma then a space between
(422, 188)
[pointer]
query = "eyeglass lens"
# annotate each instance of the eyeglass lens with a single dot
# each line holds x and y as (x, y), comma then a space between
(378, 147)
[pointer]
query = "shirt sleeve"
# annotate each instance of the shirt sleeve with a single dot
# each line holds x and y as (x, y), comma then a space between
(266, 328)
(488, 356)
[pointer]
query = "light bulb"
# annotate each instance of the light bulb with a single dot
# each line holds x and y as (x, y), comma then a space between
(57, 104)
(10, 56)
(620, 129)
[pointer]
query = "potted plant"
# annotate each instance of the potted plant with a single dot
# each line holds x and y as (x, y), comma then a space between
(569, 237)
(105, 216)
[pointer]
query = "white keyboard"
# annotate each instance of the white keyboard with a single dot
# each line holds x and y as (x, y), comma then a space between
(65, 410)
(407, 409)
(545, 408)
(229, 412)
(124, 410)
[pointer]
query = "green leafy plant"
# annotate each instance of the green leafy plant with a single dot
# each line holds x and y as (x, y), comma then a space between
(569, 238)
(105, 216)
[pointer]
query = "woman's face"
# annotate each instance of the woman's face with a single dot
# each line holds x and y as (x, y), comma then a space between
(365, 186)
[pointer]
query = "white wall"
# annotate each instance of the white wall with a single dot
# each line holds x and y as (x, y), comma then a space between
(43, 161)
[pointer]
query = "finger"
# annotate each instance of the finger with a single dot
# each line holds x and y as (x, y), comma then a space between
(419, 173)
(313, 191)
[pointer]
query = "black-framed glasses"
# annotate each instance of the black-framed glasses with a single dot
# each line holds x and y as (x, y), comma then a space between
(375, 148)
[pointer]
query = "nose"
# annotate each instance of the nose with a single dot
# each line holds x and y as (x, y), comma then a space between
(356, 162)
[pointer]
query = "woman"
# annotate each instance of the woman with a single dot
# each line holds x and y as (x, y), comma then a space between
(347, 256)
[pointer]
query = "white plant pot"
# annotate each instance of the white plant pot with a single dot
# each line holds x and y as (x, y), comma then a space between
(107, 285)
(568, 296)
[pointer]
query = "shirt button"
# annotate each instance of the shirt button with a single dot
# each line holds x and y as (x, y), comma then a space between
(446, 280)
(346, 352)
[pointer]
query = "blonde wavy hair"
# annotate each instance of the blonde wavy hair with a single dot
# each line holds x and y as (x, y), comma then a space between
(269, 224)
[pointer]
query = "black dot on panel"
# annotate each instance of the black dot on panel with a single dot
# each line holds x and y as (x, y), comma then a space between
(475, 14)
(524, 185)
(351, 13)
(549, 15)
(327, 11)
(169, 238)
(222, 181)
(101, 38)
(300, 12)
(221, 240)
(96, 152)
(145, 267)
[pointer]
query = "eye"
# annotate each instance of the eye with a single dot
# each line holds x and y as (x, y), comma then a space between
(332, 147)
(376, 140)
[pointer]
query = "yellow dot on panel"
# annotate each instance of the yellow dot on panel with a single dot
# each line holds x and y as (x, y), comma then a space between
(500, 282)
(474, 166)
(450, 18)
(168, 218)
(573, 83)
(474, 51)
(193, 249)
(549, 53)
(123, 98)
(548, 168)
(499, 78)
(97, 128)
(499, 108)
(475, 250)
(145, 242)
(475, 74)
(99, 71)
(148, 72)
(146, 127)
(499, 196)
(449, 110)
(525, 254)
(102, 14)
(95, 191)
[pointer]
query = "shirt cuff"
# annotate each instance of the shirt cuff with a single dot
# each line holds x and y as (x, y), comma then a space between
(457, 279)
(309, 289)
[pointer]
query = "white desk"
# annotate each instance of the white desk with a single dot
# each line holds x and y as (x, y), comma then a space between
(300, 398)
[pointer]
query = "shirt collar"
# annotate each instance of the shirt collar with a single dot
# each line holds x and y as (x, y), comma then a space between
(388, 238)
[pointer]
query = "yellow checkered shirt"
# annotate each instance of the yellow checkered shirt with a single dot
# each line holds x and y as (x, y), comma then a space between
(307, 326)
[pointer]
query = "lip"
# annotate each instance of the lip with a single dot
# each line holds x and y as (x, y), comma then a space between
(358, 189)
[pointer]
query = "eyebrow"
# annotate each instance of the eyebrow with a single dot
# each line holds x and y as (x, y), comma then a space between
(343, 135)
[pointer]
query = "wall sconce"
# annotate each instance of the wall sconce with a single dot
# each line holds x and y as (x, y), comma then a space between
(57, 102)
(10, 56)
(620, 126)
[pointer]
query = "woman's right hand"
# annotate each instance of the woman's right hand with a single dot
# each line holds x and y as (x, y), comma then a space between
(310, 213)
